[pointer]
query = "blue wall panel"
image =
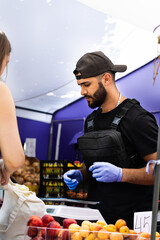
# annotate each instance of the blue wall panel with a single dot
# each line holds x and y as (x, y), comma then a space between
(67, 149)
(35, 129)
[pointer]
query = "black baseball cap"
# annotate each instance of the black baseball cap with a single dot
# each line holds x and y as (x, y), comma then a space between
(95, 63)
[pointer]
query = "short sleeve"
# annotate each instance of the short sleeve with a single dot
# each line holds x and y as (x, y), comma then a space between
(145, 133)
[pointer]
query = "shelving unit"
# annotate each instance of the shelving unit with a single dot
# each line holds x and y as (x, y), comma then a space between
(51, 180)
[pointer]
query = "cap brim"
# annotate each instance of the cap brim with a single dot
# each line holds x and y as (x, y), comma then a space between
(119, 68)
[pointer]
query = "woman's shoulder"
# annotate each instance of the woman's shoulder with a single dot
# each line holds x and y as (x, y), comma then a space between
(4, 89)
(3, 86)
(5, 94)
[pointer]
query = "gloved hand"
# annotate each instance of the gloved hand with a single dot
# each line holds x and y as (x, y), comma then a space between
(106, 172)
(72, 178)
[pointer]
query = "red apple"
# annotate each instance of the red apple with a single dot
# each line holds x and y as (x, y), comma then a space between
(34, 223)
(68, 221)
(64, 234)
(43, 232)
(37, 238)
(32, 231)
(52, 230)
(47, 219)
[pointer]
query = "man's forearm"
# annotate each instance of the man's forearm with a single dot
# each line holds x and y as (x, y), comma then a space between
(138, 176)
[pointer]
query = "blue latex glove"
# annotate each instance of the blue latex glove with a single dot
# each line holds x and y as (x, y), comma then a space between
(72, 178)
(106, 172)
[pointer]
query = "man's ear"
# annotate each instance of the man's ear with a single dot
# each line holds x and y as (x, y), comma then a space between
(107, 78)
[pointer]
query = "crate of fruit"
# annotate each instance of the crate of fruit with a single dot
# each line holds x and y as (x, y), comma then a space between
(47, 228)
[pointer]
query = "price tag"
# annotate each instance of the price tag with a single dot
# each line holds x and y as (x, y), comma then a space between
(142, 221)
(30, 147)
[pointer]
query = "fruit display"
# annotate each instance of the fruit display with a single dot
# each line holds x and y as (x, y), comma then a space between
(78, 194)
(29, 175)
(51, 179)
(47, 228)
(52, 183)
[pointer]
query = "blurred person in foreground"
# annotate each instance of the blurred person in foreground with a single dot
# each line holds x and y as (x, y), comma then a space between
(120, 190)
(10, 144)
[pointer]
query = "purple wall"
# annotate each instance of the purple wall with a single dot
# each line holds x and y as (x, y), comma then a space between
(72, 119)
(35, 129)
(139, 85)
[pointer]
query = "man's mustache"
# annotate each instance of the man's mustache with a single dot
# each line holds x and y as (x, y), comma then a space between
(87, 96)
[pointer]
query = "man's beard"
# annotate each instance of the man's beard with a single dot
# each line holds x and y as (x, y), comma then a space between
(98, 97)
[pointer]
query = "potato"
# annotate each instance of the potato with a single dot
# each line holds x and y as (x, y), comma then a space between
(19, 180)
(27, 183)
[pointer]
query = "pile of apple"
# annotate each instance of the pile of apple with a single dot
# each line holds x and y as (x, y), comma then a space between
(46, 228)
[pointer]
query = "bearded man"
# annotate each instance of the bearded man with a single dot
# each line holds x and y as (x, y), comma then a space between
(118, 181)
